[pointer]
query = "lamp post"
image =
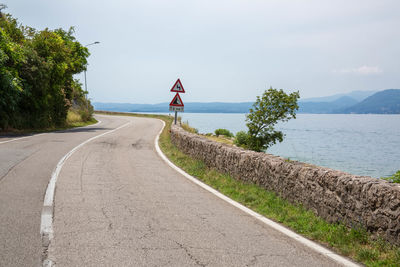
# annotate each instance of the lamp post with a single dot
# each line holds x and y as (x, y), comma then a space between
(87, 103)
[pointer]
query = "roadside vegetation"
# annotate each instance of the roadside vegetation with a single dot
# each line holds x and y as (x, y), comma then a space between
(223, 132)
(395, 178)
(77, 118)
(186, 126)
(37, 88)
(355, 243)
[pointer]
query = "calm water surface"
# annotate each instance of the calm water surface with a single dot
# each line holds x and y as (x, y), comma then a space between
(359, 144)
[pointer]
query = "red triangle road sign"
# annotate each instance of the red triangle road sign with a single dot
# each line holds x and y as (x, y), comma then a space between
(178, 87)
(177, 101)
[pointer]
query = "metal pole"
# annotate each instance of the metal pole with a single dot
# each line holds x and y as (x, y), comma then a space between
(86, 92)
(176, 116)
(87, 103)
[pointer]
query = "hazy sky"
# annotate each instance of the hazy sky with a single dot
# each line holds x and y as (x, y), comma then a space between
(227, 50)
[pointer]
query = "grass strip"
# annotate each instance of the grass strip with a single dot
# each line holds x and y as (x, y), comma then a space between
(355, 242)
(69, 125)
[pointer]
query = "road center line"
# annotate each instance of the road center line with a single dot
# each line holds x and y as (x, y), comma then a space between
(46, 225)
(314, 246)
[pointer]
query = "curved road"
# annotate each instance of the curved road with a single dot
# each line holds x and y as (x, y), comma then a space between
(118, 203)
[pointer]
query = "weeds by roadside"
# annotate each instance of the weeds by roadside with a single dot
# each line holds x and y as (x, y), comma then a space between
(73, 120)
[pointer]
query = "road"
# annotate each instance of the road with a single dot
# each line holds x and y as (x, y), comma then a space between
(117, 203)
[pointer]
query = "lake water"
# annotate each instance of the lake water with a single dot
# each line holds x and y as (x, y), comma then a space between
(358, 144)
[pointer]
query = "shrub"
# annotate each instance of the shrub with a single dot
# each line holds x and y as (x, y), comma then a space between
(241, 139)
(395, 178)
(73, 116)
(223, 132)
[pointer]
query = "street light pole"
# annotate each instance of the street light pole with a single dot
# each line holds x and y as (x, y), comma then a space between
(87, 102)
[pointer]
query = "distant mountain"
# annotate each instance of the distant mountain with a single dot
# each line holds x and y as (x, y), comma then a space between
(126, 107)
(218, 107)
(192, 107)
(326, 107)
(357, 95)
(383, 102)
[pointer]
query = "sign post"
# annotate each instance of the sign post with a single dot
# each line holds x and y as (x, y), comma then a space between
(176, 103)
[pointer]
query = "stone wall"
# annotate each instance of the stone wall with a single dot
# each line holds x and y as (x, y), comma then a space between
(334, 195)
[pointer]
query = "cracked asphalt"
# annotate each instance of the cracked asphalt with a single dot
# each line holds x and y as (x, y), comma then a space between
(26, 165)
(118, 203)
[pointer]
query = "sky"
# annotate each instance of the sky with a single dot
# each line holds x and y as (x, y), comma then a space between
(227, 50)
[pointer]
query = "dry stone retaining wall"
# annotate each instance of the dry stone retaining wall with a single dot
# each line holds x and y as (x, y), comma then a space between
(334, 195)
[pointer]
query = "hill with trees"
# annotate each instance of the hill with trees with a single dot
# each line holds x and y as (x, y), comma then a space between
(37, 88)
(383, 102)
(327, 107)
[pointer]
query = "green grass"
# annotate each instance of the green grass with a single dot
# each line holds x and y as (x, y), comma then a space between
(187, 127)
(355, 243)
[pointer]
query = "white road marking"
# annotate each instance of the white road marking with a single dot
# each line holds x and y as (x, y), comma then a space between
(20, 138)
(316, 247)
(46, 225)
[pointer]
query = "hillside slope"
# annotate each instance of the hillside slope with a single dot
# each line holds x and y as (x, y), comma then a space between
(384, 102)
(326, 107)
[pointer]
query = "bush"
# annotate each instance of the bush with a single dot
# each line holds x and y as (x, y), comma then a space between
(223, 132)
(241, 139)
(395, 178)
(73, 116)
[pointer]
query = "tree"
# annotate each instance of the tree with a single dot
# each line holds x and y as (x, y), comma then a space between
(272, 107)
(37, 87)
(11, 54)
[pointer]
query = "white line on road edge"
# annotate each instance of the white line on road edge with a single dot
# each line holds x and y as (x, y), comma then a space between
(20, 138)
(316, 247)
(46, 225)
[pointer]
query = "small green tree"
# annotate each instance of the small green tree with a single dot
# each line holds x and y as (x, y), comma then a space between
(273, 106)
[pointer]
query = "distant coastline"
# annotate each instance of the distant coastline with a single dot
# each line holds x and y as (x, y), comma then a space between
(357, 102)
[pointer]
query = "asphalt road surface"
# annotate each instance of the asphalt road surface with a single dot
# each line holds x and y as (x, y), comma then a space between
(117, 203)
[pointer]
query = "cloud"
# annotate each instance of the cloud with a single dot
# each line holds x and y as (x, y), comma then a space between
(363, 70)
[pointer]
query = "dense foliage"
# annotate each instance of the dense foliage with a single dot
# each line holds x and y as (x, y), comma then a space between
(37, 87)
(273, 106)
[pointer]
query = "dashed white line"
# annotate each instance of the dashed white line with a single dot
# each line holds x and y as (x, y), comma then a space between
(316, 247)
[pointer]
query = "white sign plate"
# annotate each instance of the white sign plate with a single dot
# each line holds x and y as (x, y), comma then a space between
(175, 108)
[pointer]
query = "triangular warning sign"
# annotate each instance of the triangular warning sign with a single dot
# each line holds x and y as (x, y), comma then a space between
(178, 87)
(177, 101)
